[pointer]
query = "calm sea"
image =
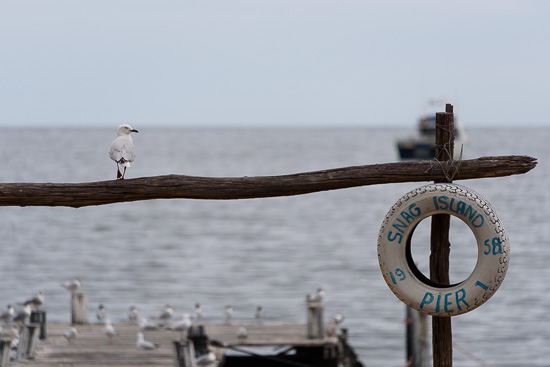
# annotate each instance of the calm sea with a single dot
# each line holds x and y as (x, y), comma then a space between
(269, 252)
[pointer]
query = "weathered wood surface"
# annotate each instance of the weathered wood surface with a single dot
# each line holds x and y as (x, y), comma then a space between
(225, 188)
(440, 247)
(92, 348)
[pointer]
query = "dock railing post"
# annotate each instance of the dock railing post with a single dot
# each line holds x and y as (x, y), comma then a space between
(417, 338)
(184, 353)
(5, 348)
(39, 317)
(442, 337)
(315, 320)
(79, 308)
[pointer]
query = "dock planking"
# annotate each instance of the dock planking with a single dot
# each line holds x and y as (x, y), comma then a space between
(92, 346)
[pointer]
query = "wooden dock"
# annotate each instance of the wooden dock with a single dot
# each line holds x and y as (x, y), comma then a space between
(93, 348)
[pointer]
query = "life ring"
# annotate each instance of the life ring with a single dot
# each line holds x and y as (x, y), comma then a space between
(402, 275)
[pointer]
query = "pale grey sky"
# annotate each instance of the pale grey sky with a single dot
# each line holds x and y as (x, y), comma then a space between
(272, 62)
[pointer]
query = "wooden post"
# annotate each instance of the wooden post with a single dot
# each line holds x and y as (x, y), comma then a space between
(315, 320)
(5, 348)
(197, 335)
(34, 332)
(184, 353)
(442, 337)
(79, 308)
(39, 317)
(417, 338)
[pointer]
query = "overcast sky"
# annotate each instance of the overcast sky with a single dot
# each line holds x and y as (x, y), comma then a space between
(272, 62)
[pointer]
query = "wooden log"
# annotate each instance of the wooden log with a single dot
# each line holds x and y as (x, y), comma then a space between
(442, 337)
(225, 188)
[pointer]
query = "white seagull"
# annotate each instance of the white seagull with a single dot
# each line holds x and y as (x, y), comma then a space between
(23, 315)
(72, 285)
(206, 359)
(260, 314)
(6, 316)
(38, 300)
(145, 344)
(242, 333)
(110, 330)
(319, 296)
(100, 314)
(166, 314)
(182, 325)
(122, 149)
(70, 334)
(133, 314)
(198, 312)
(145, 325)
(228, 314)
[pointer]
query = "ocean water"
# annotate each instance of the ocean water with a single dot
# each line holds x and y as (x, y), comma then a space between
(269, 252)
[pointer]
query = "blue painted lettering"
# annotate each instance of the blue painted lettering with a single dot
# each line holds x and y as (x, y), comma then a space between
(428, 298)
(447, 303)
(461, 299)
(479, 284)
(393, 236)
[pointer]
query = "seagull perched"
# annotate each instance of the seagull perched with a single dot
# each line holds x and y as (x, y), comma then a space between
(38, 300)
(145, 344)
(206, 359)
(70, 334)
(316, 297)
(110, 330)
(122, 149)
(242, 333)
(182, 325)
(133, 313)
(198, 312)
(166, 314)
(259, 314)
(145, 325)
(228, 314)
(100, 314)
(6, 316)
(24, 314)
(72, 285)
(334, 324)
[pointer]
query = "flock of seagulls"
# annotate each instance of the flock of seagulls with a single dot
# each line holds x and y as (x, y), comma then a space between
(15, 317)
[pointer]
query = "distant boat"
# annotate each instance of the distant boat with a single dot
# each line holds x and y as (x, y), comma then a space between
(422, 145)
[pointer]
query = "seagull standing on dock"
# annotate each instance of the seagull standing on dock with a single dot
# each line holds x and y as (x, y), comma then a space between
(6, 316)
(23, 315)
(228, 314)
(145, 344)
(166, 314)
(110, 330)
(70, 334)
(133, 314)
(100, 314)
(122, 149)
(182, 325)
(242, 333)
(72, 285)
(260, 314)
(145, 325)
(198, 312)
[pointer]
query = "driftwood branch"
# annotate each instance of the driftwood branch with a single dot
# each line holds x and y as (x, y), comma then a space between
(224, 188)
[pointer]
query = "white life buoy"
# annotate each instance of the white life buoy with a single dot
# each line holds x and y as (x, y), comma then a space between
(408, 283)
